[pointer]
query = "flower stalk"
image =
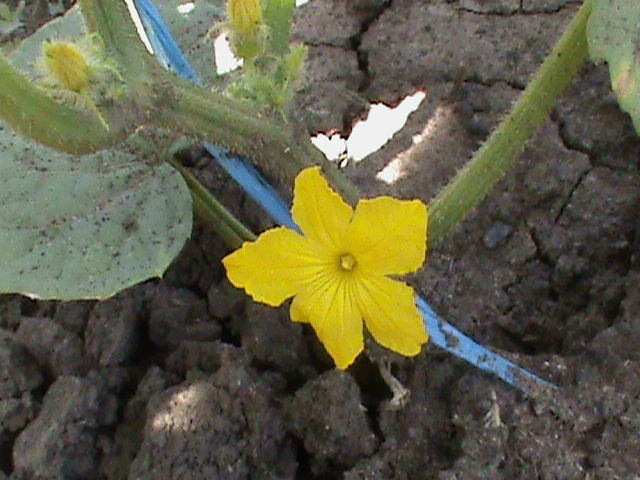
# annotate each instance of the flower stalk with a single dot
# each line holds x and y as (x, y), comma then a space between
(224, 223)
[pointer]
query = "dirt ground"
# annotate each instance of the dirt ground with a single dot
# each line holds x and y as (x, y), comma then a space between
(185, 379)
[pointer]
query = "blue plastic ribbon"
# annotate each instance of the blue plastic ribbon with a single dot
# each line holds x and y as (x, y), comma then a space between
(442, 334)
(256, 186)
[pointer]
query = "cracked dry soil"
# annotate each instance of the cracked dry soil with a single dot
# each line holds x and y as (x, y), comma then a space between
(185, 379)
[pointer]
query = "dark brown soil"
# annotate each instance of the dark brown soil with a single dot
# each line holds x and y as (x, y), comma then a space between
(185, 379)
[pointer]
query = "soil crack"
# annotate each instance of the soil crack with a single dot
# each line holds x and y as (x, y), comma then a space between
(575, 148)
(356, 42)
(514, 10)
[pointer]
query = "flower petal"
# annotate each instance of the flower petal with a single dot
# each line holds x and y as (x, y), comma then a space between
(319, 211)
(391, 315)
(389, 236)
(331, 308)
(274, 267)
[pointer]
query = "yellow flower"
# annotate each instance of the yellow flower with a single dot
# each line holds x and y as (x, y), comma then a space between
(337, 270)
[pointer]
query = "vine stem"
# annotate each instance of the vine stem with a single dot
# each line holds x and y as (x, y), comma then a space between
(474, 181)
(174, 103)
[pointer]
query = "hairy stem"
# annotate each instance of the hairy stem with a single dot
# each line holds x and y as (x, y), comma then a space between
(268, 143)
(472, 183)
(110, 20)
(173, 103)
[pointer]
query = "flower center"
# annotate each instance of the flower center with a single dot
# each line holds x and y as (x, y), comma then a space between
(347, 262)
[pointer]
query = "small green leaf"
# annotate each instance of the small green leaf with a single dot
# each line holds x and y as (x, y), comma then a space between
(86, 226)
(5, 12)
(278, 15)
(613, 33)
(10, 21)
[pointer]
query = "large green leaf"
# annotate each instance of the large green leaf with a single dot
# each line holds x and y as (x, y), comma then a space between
(613, 33)
(86, 226)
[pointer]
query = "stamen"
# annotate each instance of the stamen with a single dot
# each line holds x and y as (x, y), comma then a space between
(347, 262)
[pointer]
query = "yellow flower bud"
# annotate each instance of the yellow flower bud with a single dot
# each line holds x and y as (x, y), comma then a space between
(67, 65)
(245, 16)
(70, 69)
(245, 20)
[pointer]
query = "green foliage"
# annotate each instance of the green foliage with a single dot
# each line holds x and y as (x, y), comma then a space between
(275, 72)
(272, 84)
(88, 226)
(613, 32)
(85, 226)
(10, 21)
(278, 15)
(91, 225)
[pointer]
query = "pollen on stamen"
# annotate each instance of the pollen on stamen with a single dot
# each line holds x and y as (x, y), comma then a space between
(348, 262)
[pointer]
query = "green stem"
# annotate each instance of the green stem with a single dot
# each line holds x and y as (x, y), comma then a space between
(202, 210)
(232, 231)
(499, 152)
(111, 21)
(171, 102)
(159, 98)
(271, 145)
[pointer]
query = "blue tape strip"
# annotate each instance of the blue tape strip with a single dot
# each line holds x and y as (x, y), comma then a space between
(255, 185)
(453, 340)
(442, 334)
(164, 46)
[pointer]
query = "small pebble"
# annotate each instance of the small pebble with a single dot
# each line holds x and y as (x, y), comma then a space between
(496, 235)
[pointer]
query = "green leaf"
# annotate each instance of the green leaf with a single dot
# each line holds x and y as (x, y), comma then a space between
(5, 12)
(10, 21)
(86, 226)
(278, 15)
(613, 33)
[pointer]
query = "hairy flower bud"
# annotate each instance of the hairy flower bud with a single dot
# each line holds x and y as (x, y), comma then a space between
(245, 20)
(70, 68)
(67, 65)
